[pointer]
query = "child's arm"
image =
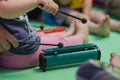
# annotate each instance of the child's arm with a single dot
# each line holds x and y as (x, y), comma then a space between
(87, 7)
(13, 8)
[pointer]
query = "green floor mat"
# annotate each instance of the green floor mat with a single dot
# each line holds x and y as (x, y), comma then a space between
(106, 45)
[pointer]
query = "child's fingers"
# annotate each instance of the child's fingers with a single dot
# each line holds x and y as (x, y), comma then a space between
(49, 7)
(1, 48)
(55, 9)
(12, 40)
(4, 44)
(6, 40)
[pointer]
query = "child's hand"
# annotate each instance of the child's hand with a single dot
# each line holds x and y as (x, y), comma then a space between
(6, 40)
(48, 6)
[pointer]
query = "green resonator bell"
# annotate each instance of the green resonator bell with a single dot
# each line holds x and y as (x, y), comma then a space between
(68, 55)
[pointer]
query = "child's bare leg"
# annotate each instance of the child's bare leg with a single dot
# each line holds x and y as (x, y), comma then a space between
(114, 25)
(71, 29)
(115, 59)
(97, 17)
(82, 30)
(101, 29)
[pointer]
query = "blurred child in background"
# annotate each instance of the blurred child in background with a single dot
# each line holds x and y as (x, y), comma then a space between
(112, 8)
(98, 22)
(81, 9)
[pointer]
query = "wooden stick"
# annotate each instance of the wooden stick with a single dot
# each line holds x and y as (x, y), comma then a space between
(83, 20)
(59, 45)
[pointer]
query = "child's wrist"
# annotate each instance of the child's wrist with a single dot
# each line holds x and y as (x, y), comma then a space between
(34, 3)
(37, 3)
